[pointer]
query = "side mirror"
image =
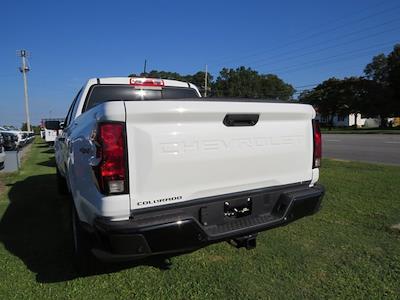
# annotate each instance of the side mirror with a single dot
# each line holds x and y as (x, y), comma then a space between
(61, 125)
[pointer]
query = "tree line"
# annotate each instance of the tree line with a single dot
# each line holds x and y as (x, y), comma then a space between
(240, 82)
(376, 94)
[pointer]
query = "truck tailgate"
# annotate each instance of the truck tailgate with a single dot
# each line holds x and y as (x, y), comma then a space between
(182, 150)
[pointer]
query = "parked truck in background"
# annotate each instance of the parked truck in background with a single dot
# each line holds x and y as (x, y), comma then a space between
(154, 169)
(48, 134)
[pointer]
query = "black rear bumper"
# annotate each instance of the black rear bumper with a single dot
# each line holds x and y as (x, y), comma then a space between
(190, 226)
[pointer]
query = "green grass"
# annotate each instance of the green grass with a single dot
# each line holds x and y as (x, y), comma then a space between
(346, 251)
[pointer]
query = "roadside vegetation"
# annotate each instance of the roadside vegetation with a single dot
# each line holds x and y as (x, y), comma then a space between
(348, 250)
(375, 94)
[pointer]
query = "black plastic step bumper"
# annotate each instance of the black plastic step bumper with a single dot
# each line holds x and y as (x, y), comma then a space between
(190, 226)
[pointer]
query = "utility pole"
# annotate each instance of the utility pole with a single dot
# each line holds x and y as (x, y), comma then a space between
(24, 69)
(205, 82)
(144, 67)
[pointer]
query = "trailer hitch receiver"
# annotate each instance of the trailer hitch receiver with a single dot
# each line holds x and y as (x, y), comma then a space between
(248, 241)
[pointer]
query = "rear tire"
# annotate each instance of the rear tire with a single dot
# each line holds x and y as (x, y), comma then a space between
(62, 186)
(83, 258)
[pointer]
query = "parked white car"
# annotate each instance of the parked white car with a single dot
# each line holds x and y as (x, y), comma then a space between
(2, 152)
(21, 138)
(155, 169)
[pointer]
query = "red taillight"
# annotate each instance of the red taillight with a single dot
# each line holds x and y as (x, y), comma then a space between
(111, 171)
(146, 82)
(317, 144)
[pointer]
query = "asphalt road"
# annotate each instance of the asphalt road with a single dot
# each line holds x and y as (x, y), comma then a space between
(377, 148)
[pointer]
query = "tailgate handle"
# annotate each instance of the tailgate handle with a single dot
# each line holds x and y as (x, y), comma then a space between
(241, 119)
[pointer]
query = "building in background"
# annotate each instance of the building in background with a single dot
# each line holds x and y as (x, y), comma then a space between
(349, 120)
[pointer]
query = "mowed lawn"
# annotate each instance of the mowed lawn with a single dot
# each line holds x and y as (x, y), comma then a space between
(347, 250)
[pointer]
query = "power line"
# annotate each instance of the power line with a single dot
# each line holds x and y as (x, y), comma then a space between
(315, 64)
(326, 48)
(303, 88)
(347, 52)
(333, 56)
(307, 85)
(318, 33)
(325, 31)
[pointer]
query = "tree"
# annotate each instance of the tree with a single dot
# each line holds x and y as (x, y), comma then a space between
(351, 95)
(274, 87)
(325, 97)
(393, 79)
(245, 82)
(359, 95)
(240, 82)
(160, 74)
(35, 129)
(385, 71)
(377, 70)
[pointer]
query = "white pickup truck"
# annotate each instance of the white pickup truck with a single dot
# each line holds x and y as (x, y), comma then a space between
(49, 135)
(154, 169)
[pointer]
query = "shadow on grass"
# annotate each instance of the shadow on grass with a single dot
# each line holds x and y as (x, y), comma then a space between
(49, 163)
(36, 228)
(43, 146)
(49, 151)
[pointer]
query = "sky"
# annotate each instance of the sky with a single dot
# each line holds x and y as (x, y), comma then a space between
(303, 42)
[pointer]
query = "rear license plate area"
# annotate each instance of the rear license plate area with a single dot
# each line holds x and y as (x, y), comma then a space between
(238, 208)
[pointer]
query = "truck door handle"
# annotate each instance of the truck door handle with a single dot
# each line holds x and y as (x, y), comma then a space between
(241, 119)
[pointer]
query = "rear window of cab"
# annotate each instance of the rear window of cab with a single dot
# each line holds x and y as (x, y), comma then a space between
(104, 93)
